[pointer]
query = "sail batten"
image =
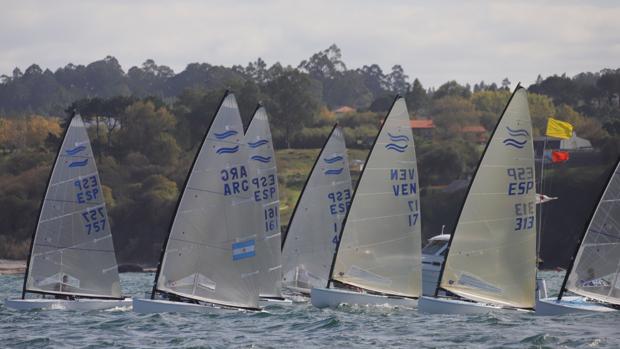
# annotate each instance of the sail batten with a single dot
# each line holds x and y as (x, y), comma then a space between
(380, 242)
(210, 252)
(265, 194)
(72, 251)
(595, 272)
(492, 251)
(311, 238)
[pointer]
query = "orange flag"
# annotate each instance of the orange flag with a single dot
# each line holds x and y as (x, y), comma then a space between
(559, 156)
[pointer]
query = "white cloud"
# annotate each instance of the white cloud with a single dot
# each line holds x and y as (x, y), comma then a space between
(466, 41)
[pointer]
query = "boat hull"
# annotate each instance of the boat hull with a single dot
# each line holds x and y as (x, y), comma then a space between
(569, 305)
(432, 305)
(332, 298)
(150, 306)
(65, 304)
(266, 301)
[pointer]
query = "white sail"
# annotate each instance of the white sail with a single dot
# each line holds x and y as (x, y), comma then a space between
(380, 247)
(308, 249)
(492, 255)
(210, 252)
(72, 251)
(596, 269)
(264, 190)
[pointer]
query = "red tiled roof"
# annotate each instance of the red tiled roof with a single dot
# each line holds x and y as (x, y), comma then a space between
(473, 129)
(422, 123)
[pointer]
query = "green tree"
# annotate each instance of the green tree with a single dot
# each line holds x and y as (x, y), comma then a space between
(294, 99)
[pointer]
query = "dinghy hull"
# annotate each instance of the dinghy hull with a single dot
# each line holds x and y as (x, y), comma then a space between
(265, 301)
(569, 305)
(431, 305)
(332, 298)
(150, 306)
(64, 304)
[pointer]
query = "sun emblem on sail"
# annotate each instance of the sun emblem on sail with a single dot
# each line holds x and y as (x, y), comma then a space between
(514, 140)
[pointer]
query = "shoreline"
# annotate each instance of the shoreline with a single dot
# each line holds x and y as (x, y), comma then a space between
(16, 267)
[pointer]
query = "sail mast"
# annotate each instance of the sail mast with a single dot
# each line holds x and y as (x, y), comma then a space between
(176, 209)
(357, 184)
(47, 185)
(571, 265)
(303, 190)
(471, 182)
(380, 248)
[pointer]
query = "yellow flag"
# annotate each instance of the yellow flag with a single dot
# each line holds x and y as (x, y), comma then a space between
(559, 129)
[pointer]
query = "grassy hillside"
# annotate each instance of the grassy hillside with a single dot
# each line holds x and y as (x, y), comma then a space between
(293, 170)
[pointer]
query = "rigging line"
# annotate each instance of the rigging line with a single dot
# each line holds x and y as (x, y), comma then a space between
(73, 202)
(381, 217)
(89, 209)
(74, 178)
(61, 249)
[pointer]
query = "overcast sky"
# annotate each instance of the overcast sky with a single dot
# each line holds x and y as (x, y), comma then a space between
(435, 41)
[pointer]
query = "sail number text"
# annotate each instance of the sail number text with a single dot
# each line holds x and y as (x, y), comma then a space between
(521, 180)
(88, 189)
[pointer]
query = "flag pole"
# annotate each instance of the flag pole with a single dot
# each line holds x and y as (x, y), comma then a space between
(540, 206)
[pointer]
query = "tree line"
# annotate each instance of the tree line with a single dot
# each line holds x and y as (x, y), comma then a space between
(146, 126)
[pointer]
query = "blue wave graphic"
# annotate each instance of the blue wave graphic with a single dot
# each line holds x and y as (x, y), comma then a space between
(334, 171)
(396, 147)
(333, 159)
(517, 133)
(514, 143)
(75, 150)
(258, 143)
(225, 135)
(398, 138)
(263, 159)
(79, 163)
(231, 150)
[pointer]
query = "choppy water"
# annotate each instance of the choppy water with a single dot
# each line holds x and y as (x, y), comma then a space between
(296, 326)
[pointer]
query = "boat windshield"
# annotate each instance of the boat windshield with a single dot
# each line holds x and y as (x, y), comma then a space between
(433, 247)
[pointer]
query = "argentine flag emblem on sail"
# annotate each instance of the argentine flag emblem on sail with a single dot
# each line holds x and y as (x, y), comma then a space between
(243, 249)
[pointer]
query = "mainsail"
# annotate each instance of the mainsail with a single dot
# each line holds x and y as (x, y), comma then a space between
(315, 224)
(380, 246)
(492, 253)
(264, 191)
(210, 253)
(72, 252)
(596, 267)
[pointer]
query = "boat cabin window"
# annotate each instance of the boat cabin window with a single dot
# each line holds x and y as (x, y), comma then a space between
(433, 247)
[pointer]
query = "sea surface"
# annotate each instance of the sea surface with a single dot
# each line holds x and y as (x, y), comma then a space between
(297, 326)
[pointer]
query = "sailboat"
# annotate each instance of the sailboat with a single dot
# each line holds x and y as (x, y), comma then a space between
(209, 258)
(312, 235)
(72, 264)
(594, 272)
(378, 255)
(264, 192)
(491, 260)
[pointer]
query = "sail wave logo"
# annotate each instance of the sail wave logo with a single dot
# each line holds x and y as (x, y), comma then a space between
(79, 163)
(333, 159)
(263, 159)
(258, 143)
(334, 171)
(229, 150)
(398, 138)
(517, 132)
(513, 142)
(225, 135)
(396, 147)
(75, 151)
(243, 250)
